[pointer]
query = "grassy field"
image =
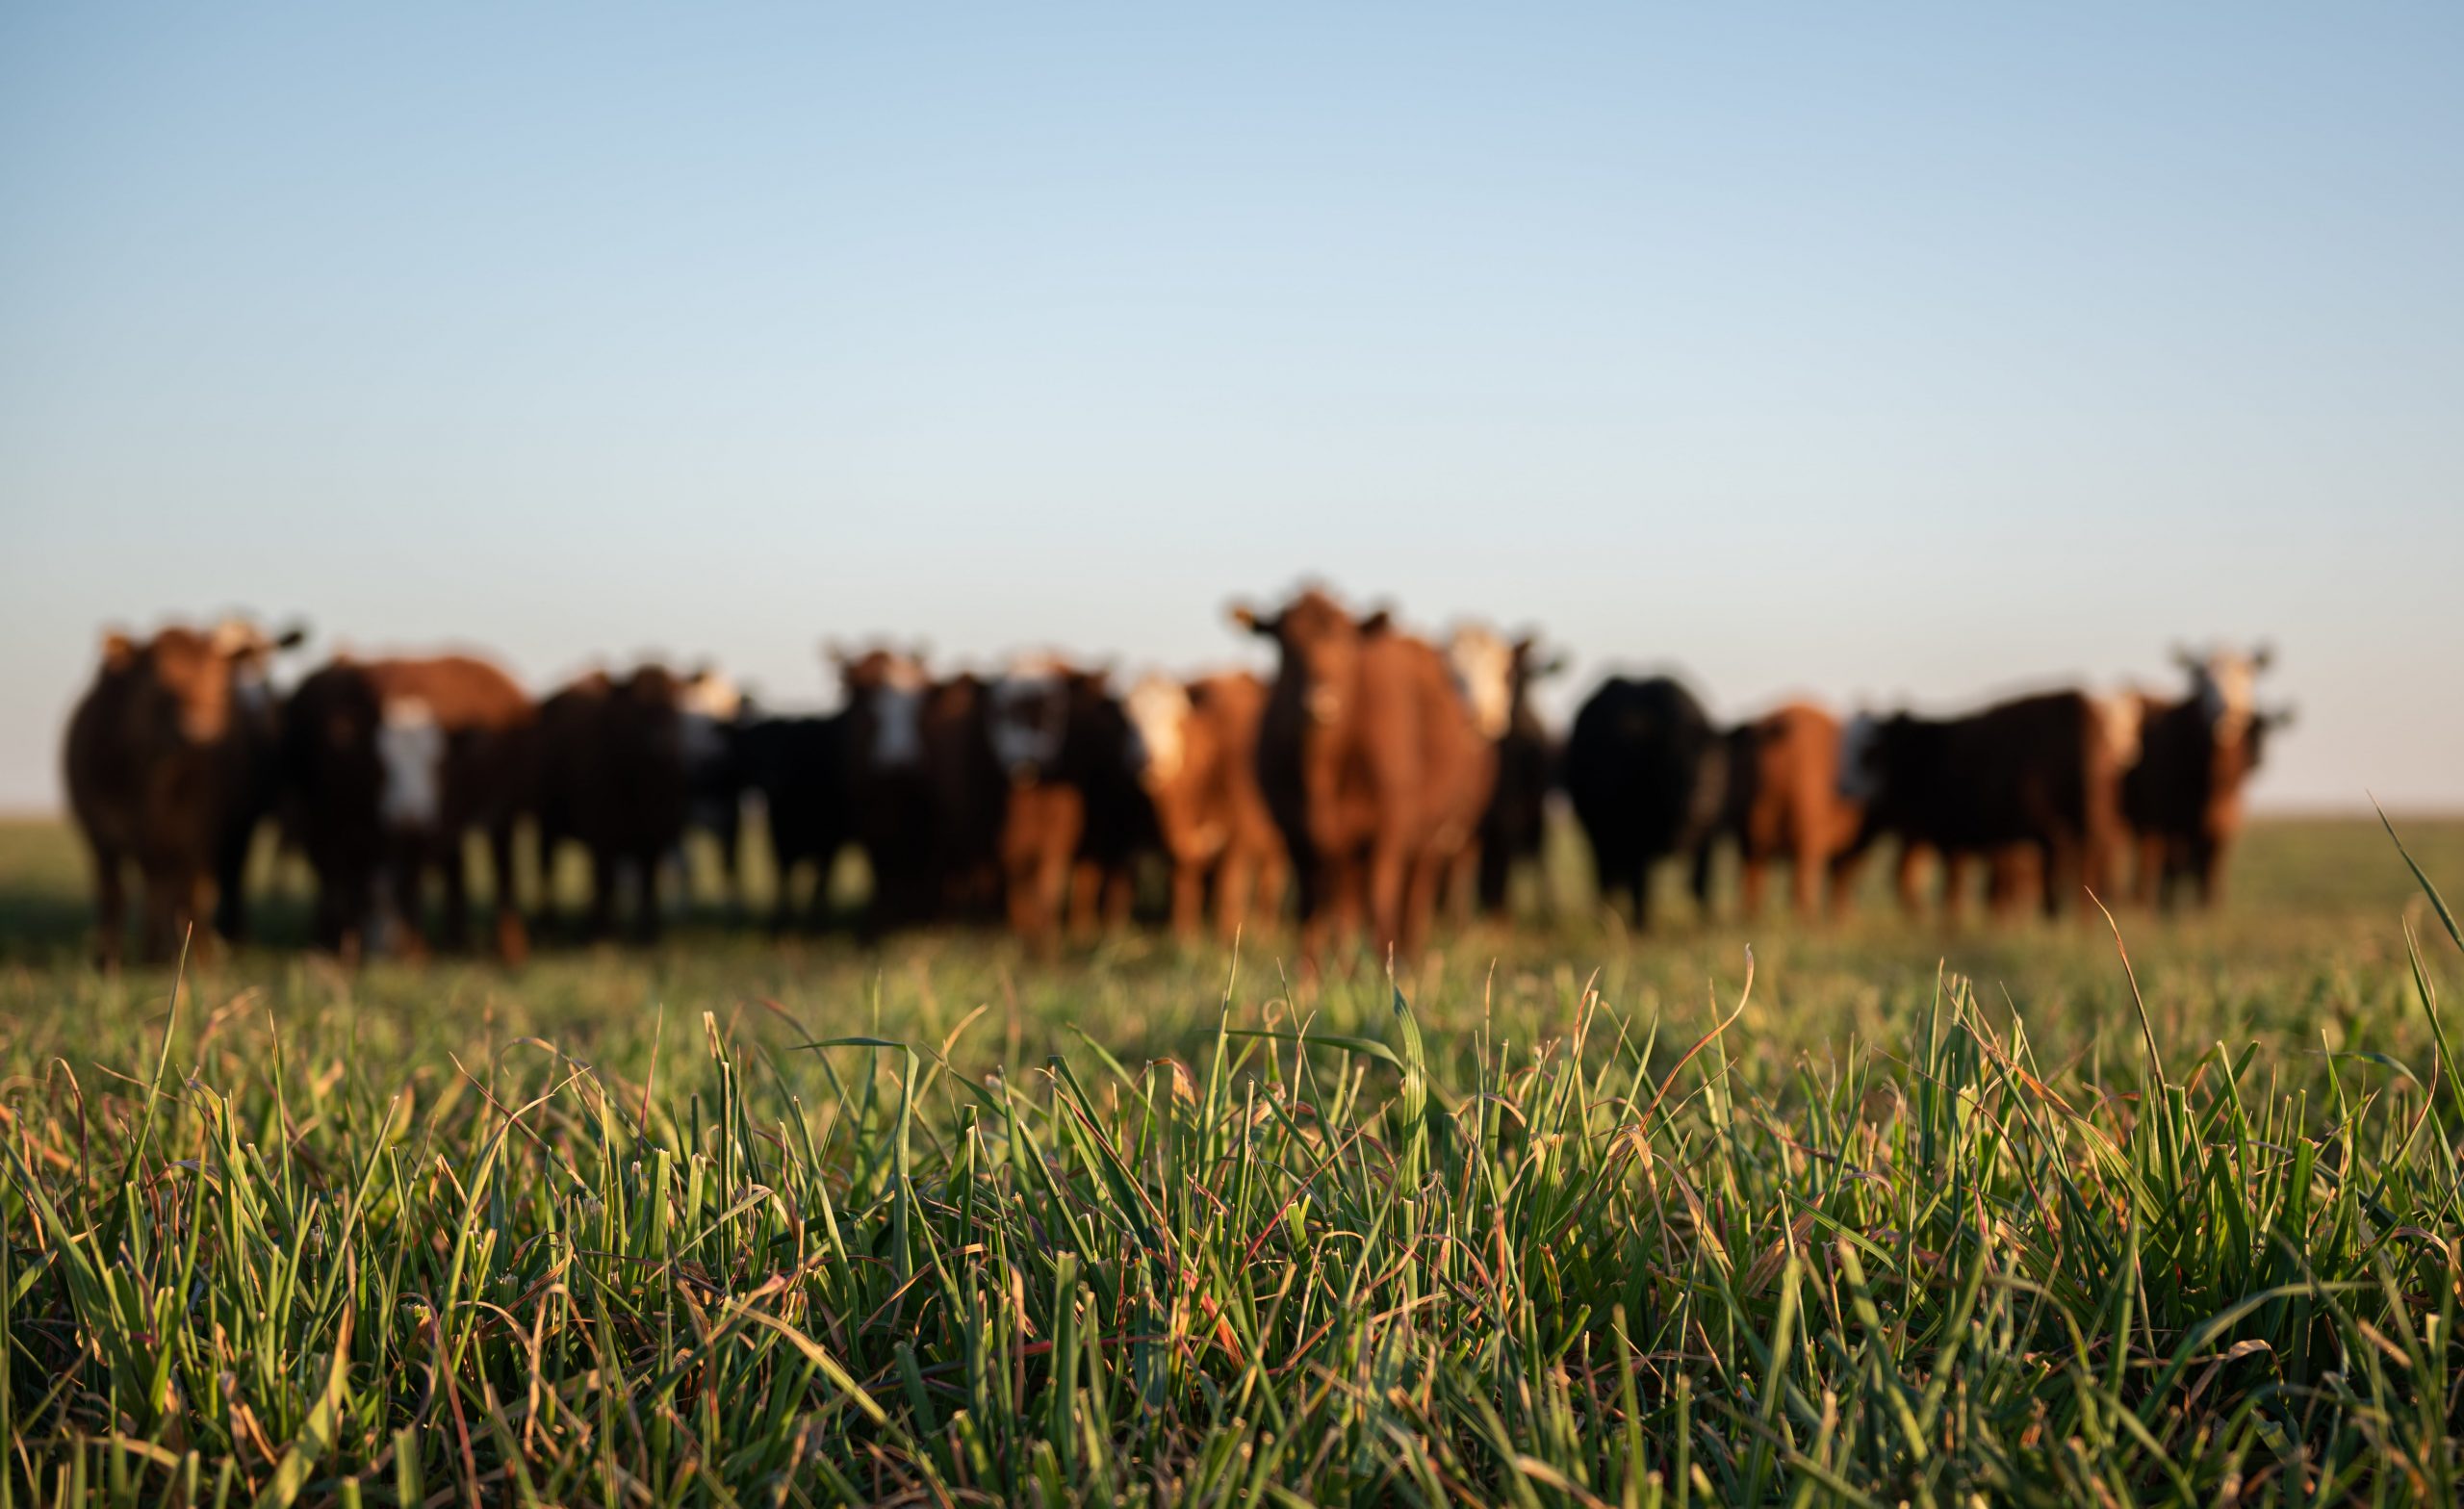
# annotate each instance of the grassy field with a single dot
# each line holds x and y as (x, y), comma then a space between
(1558, 1216)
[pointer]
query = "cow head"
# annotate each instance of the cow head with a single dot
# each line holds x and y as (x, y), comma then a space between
(1485, 674)
(2224, 682)
(1319, 643)
(1862, 758)
(1027, 715)
(198, 682)
(885, 692)
(1158, 708)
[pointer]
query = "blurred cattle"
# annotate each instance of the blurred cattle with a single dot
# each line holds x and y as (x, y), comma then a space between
(1071, 812)
(1195, 749)
(1646, 774)
(798, 766)
(713, 711)
(387, 766)
(1374, 767)
(1782, 802)
(2182, 798)
(1496, 679)
(168, 764)
(2037, 774)
(891, 785)
(614, 775)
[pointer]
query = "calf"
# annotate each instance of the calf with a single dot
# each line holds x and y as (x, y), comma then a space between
(1071, 814)
(387, 765)
(1646, 774)
(168, 763)
(2182, 798)
(2037, 772)
(1372, 766)
(1783, 801)
(1496, 679)
(799, 768)
(614, 775)
(1193, 748)
(891, 784)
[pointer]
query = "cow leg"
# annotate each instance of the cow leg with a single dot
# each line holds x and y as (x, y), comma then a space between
(512, 940)
(1844, 867)
(1910, 879)
(1705, 866)
(455, 868)
(603, 879)
(231, 882)
(111, 906)
(1954, 886)
(653, 916)
(158, 922)
(1086, 900)
(1189, 895)
(1611, 873)
(1638, 880)
(1496, 876)
(1462, 883)
(2207, 858)
(2063, 862)
(1754, 873)
(408, 895)
(1805, 873)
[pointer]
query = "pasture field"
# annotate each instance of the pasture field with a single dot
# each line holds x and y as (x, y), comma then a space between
(1556, 1216)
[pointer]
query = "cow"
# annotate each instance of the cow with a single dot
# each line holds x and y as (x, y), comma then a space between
(1193, 748)
(1072, 816)
(1495, 678)
(1646, 774)
(167, 762)
(387, 766)
(2182, 797)
(2037, 772)
(890, 777)
(614, 774)
(1782, 802)
(714, 709)
(798, 766)
(1372, 766)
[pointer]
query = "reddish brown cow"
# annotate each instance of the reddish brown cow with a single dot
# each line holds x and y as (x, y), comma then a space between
(2183, 797)
(1374, 768)
(388, 765)
(1194, 749)
(614, 775)
(166, 764)
(1783, 801)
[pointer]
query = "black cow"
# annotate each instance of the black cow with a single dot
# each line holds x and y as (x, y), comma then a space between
(1647, 772)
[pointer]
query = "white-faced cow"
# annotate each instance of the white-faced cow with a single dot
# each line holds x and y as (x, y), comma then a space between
(2182, 798)
(1193, 748)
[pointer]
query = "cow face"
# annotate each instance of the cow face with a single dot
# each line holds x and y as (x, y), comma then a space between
(1027, 716)
(1484, 667)
(885, 691)
(2225, 685)
(1320, 650)
(1158, 708)
(1861, 757)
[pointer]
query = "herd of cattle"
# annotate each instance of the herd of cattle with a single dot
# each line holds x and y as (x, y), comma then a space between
(1378, 776)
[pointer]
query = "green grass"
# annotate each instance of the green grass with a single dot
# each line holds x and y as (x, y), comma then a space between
(1918, 1217)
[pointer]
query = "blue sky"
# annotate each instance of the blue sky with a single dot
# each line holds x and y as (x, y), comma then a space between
(1881, 353)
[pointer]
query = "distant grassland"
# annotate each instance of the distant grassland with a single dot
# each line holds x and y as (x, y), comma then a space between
(1926, 1219)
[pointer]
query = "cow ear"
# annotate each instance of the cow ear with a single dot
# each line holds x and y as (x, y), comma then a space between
(1555, 665)
(2263, 656)
(1244, 615)
(292, 637)
(118, 649)
(1378, 622)
(2281, 718)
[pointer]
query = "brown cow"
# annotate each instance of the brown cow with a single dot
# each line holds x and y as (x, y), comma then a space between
(166, 762)
(388, 764)
(2182, 798)
(1194, 749)
(1783, 801)
(614, 775)
(1374, 768)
